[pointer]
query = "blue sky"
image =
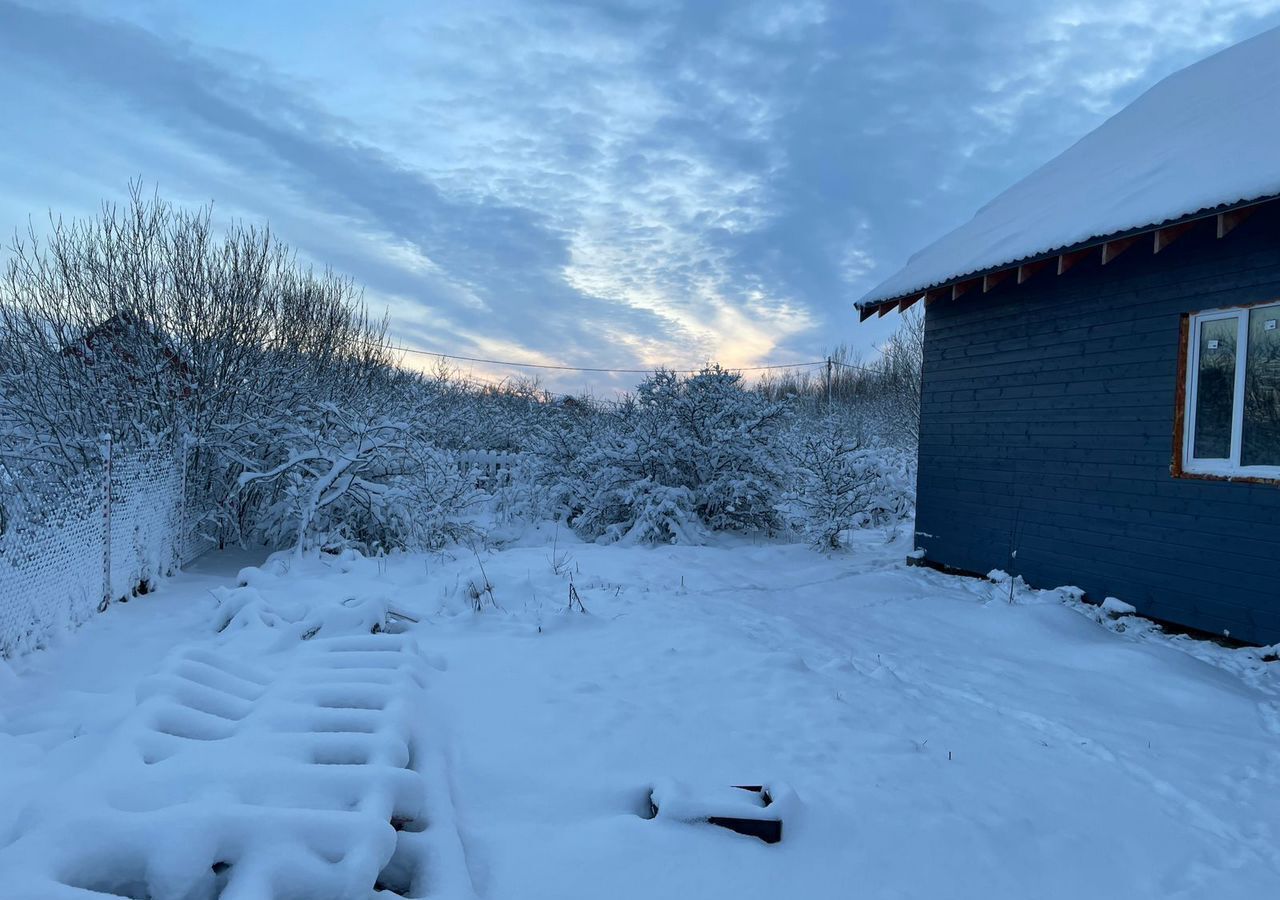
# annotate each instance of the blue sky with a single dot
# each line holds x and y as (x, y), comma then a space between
(609, 183)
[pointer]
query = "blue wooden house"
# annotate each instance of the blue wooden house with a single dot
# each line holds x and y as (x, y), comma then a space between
(1101, 393)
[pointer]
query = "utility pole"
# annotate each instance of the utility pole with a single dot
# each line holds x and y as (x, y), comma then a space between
(828, 385)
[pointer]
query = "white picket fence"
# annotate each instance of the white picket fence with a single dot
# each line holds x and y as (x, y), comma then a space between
(113, 535)
(491, 467)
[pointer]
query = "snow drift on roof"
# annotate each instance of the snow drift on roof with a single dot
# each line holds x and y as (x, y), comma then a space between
(1205, 136)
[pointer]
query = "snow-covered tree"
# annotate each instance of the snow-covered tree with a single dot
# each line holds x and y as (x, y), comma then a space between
(680, 456)
(839, 482)
(328, 476)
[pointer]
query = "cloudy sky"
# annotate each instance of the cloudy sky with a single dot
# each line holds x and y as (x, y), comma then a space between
(602, 183)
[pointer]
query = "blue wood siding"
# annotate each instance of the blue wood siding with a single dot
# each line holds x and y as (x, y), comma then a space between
(1047, 422)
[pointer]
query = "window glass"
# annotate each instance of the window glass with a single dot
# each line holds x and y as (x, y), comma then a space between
(1260, 439)
(1215, 389)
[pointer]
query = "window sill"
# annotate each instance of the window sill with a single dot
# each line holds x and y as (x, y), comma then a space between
(1271, 478)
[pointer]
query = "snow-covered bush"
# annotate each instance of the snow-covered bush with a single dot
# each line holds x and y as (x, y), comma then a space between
(331, 477)
(299, 428)
(560, 442)
(628, 511)
(841, 482)
(516, 493)
(683, 455)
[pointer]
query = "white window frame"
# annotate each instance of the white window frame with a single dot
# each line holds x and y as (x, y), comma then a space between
(1223, 468)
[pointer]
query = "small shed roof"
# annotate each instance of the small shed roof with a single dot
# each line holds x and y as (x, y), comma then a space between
(1205, 138)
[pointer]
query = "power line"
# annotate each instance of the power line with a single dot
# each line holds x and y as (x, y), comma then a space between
(559, 368)
(872, 369)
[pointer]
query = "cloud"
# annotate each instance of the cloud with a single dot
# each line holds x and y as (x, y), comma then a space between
(603, 183)
(908, 119)
(1100, 49)
(462, 256)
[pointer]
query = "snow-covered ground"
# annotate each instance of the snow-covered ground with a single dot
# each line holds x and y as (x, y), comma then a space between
(940, 741)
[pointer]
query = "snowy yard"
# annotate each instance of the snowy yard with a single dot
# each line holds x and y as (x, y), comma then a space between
(941, 742)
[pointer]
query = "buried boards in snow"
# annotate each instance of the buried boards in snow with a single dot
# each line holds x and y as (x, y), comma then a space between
(746, 809)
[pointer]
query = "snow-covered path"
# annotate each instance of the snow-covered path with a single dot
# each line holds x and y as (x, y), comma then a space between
(942, 741)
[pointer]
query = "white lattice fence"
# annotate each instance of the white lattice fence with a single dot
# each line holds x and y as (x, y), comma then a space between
(61, 563)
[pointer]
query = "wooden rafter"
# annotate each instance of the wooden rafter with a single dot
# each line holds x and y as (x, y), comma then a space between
(990, 281)
(1067, 260)
(1026, 270)
(1166, 236)
(907, 302)
(962, 287)
(1112, 249)
(1227, 221)
(935, 295)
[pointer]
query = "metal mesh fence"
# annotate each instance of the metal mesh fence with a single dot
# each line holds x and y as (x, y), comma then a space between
(108, 535)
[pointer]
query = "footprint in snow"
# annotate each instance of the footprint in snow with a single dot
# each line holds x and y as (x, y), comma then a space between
(791, 661)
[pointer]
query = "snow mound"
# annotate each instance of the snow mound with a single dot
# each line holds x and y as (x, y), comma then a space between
(1203, 137)
(246, 608)
(1118, 607)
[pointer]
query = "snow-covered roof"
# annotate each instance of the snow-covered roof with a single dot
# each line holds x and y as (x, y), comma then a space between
(1204, 137)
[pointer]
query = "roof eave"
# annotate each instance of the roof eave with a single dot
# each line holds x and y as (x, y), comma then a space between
(1165, 233)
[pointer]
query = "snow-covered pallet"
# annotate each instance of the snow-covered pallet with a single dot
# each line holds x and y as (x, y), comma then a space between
(233, 780)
